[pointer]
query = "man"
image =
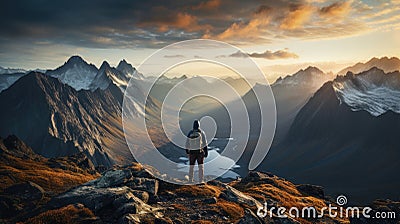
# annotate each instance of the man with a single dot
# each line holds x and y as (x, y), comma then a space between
(196, 149)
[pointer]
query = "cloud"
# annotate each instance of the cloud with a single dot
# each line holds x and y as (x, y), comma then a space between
(297, 16)
(337, 9)
(270, 55)
(156, 23)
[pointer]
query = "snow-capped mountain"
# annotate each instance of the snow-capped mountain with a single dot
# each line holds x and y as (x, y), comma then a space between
(338, 133)
(311, 76)
(386, 64)
(76, 73)
(128, 70)
(372, 91)
(105, 76)
(57, 120)
(11, 70)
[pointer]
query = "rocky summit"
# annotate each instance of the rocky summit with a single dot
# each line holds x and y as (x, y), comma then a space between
(69, 190)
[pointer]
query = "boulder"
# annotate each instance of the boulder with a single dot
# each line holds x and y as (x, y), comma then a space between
(98, 198)
(112, 178)
(249, 218)
(144, 184)
(231, 194)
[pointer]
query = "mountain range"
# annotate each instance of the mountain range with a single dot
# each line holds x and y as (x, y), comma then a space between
(346, 137)
(324, 124)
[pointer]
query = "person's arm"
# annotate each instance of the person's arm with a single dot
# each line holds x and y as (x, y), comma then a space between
(204, 142)
(187, 143)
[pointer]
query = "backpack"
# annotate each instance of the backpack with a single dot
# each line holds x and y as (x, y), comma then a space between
(195, 140)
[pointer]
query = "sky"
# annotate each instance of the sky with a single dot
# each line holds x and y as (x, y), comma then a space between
(282, 36)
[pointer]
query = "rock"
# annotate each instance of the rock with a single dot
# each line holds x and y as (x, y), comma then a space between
(144, 184)
(142, 195)
(311, 190)
(249, 218)
(27, 191)
(98, 198)
(212, 200)
(112, 178)
(129, 219)
(258, 177)
(231, 194)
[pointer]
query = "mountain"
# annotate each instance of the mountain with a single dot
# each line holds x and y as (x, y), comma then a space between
(346, 138)
(292, 92)
(76, 72)
(372, 91)
(128, 70)
(28, 180)
(386, 64)
(11, 70)
(6, 80)
(56, 120)
(309, 77)
(107, 75)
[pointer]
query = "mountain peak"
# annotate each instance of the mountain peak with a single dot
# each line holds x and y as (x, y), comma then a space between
(123, 64)
(311, 76)
(75, 72)
(313, 69)
(76, 59)
(105, 65)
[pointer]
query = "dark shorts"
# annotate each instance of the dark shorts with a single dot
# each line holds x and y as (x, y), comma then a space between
(193, 157)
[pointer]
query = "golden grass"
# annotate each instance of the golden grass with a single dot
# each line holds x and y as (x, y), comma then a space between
(205, 191)
(285, 194)
(202, 222)
(16, 170)
(179, 207)
(68, 215)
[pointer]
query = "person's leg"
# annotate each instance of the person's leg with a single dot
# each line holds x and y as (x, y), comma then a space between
(200, 161)
(192, 161)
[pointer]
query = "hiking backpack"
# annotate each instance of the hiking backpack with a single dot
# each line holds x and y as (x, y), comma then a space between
(195, 140)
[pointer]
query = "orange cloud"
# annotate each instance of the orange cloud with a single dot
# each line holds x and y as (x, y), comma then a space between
(168, 20)
(337, 9)
(239, 31)
(297, 17)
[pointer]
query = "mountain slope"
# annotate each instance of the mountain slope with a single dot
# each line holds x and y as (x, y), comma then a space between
(56, 120)
(348, 152)
(28, 180)
(292, 92)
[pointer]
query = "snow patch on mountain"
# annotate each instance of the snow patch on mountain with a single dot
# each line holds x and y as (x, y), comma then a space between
(373, 91)
(76, 73)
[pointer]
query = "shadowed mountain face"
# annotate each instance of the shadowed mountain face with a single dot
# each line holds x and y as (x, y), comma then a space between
(352, 152)
(56, 120)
